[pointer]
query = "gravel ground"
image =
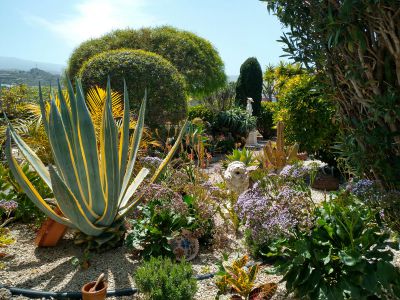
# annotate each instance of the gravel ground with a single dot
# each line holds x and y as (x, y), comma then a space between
(51, 269)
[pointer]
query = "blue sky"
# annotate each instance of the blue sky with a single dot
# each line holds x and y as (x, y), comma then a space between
(49, 30)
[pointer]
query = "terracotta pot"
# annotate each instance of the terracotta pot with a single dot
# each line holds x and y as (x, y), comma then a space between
(302, 156)
(326, 182)
(99, 294)
(50, 232)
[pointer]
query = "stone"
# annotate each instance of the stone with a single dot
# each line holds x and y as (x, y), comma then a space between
(237, 177)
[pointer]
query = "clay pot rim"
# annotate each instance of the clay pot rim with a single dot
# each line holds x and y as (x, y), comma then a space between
(105, 286)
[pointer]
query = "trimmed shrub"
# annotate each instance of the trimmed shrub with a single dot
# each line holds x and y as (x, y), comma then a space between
(161, 279)
(141, 70)
(307, 115)
(202, 112)
(250, 84)
(194, 57)
(265, 120)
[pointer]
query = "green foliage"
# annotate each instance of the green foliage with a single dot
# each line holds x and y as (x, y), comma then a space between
(265, 120)
(221, 99)
(161, 279)
(202, 112)
(250, 84)
(345, 256)
(307, 114)
(11, 190)
(142, 70)
(236, 122)
(162, 219)
(348, 45)
(194, 57)
(244, 155)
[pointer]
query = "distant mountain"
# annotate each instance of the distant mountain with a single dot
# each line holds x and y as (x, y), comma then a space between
(233, 78)
(31, 77)
(12, 63)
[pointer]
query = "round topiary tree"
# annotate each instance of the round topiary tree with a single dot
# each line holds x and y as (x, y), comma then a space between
(250, 84)
(194, 57)
(141, 70)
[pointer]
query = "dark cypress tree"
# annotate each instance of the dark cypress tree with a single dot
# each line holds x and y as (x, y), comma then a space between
(249, 84)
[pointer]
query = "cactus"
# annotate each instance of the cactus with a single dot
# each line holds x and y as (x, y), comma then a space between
(276, 155)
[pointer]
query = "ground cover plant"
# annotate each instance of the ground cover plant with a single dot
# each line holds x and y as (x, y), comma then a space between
(161, 279)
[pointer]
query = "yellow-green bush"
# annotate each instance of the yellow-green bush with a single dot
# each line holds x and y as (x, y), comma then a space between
(141, 70)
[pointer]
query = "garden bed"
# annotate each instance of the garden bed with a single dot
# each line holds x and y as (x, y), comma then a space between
(52, 269)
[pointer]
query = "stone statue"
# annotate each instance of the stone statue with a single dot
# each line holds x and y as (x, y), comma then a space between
(237, 177)
(249, 106)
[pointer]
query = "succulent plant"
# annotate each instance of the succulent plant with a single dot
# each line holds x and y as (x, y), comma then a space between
(277, 155)
(91, 179)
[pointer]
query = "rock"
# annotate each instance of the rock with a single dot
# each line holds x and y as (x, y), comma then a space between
(5, 294)
(237, 177)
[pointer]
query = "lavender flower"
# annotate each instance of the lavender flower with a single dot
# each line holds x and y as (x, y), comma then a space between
(294, 172)
(269, 212)
(8, 206)
(151, 162)
(366, 190)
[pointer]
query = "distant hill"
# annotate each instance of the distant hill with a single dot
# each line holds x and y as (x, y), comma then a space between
(12, 63)
(31, 77)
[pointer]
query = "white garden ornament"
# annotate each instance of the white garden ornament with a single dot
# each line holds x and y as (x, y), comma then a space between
(237, 177)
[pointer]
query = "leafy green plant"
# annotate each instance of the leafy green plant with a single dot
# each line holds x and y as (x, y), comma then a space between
(160, 220)
(265, 120)
(346, 255)
(240, 279)
(236, 122)
(161, 279)
(307, 114)
(202, 112)
(244, 155)
(142, 70)
(91, 181)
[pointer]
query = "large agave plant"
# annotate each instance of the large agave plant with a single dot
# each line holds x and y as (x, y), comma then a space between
(91, 179)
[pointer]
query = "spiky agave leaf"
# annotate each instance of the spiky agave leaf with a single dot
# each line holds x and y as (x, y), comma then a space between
(91, 178)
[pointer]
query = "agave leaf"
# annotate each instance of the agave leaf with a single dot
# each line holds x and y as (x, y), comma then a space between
(134, 185)
(71, 207)
(28, 188)
(124, 138)
(88, 147)
(170, 154)
(63, 152)
(109, 163)
(31, 156)
(134, 147)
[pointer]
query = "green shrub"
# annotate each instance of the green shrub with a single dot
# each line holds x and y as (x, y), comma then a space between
(236, 122)
(141, 70)
(265, 120)
(345, 256)
(194, 57)
(161, 279)
(307, 115)
(244, 155)
(221, 99)
(250, 84)
(162, 218)
(202, 112)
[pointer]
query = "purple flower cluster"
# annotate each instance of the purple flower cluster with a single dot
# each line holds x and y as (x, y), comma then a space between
(270, 213)
(367, 190)
(294, 172)
(151, 162)
(8, 206)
